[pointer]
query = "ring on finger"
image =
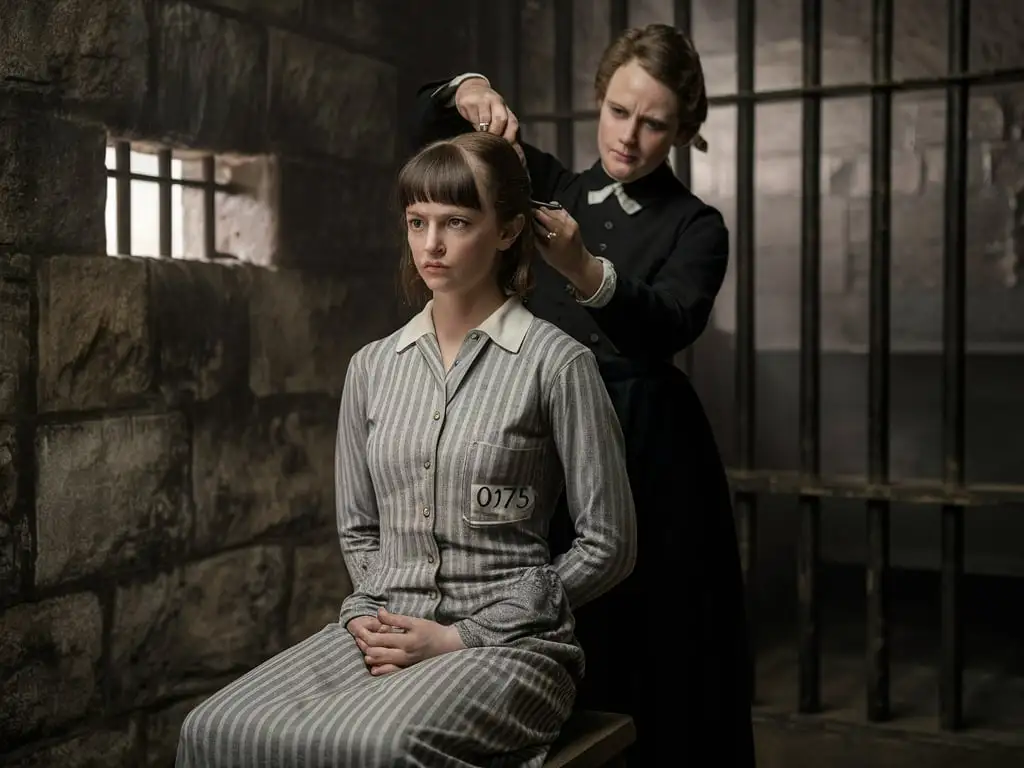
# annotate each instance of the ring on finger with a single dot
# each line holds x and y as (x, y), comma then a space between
(483, 125)
(551, 235)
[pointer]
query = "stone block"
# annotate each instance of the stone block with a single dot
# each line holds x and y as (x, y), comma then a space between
(777, 221)
(917, 226)
(89, 750)
(15, 331)
(94, 337)
(162, 729)
(333, 218)
(273, 10)
(49, 665)
(369, 24)
(54, 184)
(321, 583)
(304, 328)
(779, 175)
(328, 101)
(110, 494)
(263, 471)
(15, 267)
(845, 125)
(1002, 164)
(777, 130)
(201, 315)
(93, 56)
(213, 82)
(217, 617)
(15, 535)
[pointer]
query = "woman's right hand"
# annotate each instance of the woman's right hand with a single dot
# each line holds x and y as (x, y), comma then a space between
(483, 106)
(360, 625)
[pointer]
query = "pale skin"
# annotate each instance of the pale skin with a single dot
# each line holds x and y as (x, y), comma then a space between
(390, 641)
(637, 128)
(457, 253)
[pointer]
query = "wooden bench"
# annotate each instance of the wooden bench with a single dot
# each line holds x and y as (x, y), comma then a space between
(593, 740)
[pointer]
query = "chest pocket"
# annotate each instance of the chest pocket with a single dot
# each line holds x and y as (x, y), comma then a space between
(501, 484)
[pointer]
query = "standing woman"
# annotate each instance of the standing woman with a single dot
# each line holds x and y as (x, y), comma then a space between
(631, 267)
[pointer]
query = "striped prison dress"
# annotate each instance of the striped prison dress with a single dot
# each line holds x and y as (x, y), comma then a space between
(445, 484)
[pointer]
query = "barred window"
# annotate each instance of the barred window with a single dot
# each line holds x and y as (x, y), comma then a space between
(163, 202)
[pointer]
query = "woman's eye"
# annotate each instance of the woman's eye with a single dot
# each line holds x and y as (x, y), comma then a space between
(458, 223)
(415, 223)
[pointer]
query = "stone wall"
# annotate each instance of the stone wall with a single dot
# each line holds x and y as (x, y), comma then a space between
(167, 427)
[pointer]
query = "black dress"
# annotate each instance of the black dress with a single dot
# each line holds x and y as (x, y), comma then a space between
(669, 646)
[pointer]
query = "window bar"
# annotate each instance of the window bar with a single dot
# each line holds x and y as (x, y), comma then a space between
(488, 40)
(809, 545)
(510, 72)
(746, 503)
(682, 14)
(154, 178)
(164, 172)
(879, 360)
(123, 168)
(911, 491)
(486, 56)
(563, 80)
(953, 354)
(618, 18)
(998, 76)
(209, 207)
(499, 49)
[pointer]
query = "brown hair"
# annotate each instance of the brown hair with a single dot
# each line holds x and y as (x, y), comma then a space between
(667, 55)
(467, 171)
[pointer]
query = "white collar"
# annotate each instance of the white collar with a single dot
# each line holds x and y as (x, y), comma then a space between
(506, 326)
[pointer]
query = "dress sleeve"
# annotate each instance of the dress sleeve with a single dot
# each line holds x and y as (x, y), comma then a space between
(660, 316)
(358, 517)
(590, 444)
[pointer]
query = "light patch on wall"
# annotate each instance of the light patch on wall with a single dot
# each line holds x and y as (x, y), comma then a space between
(145, 197)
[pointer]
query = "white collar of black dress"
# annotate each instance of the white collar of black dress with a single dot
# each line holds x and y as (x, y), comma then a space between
(506, 326)
(627, 203)
(656, 185)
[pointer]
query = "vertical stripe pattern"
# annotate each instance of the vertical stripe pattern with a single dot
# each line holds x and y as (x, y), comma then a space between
(446, 483)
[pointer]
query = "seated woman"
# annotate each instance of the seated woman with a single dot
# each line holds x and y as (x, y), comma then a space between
(456, 436)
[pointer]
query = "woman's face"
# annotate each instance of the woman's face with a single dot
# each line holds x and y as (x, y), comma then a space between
(457, 250)
(638, 124)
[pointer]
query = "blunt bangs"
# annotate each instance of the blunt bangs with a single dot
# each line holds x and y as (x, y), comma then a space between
(440, 174)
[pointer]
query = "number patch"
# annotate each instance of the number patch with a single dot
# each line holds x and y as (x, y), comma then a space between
(500, 504)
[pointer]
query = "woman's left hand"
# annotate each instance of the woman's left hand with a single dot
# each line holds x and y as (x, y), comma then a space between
(561, 246)
(403, 640)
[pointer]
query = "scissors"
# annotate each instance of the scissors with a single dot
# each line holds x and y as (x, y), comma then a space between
(552, 206)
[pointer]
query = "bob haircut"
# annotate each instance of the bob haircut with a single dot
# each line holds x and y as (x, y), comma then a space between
(472, 170)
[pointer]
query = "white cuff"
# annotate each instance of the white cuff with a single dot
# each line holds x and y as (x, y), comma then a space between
(447, 91)
(605, 291)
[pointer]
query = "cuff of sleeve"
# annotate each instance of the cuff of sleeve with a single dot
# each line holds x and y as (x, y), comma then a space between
(357, 605)
(606, 290)
(446, 93)
(472, 634)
